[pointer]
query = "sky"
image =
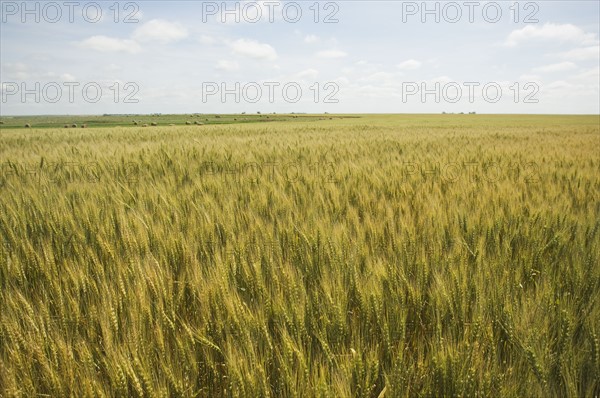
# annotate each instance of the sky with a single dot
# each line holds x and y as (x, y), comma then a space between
(532, 57)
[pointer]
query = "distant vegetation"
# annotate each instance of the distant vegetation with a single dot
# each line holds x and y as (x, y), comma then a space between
(7, 122)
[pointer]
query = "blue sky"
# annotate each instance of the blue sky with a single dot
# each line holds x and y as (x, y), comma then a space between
(373, 57)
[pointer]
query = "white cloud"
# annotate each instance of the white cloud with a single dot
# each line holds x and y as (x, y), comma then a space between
(372, 91)
(228, 66)
(308, 74)
(207, 40)
(331, 54)
(113, 67)
(160, 31)
(581, 54)
(67, 77)
(409, 65)
(551, 32)
(557, 85)
(559, 67)
(20, 71)
(378, 77)
(110, 44)
(16, 71)
(590, 75)
(367, 67)
(441, 80)
(530, 78)
(342, 80)
(311, 39)
(253, 49)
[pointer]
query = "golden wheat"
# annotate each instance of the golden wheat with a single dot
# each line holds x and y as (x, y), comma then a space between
(381, 255)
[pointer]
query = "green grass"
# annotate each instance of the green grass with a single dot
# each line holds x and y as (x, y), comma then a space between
(397, 255)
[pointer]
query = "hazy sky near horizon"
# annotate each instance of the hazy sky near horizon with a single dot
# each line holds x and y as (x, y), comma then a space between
(306, 56)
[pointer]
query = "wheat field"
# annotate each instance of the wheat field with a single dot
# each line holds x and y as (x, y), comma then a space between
(379, 256)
